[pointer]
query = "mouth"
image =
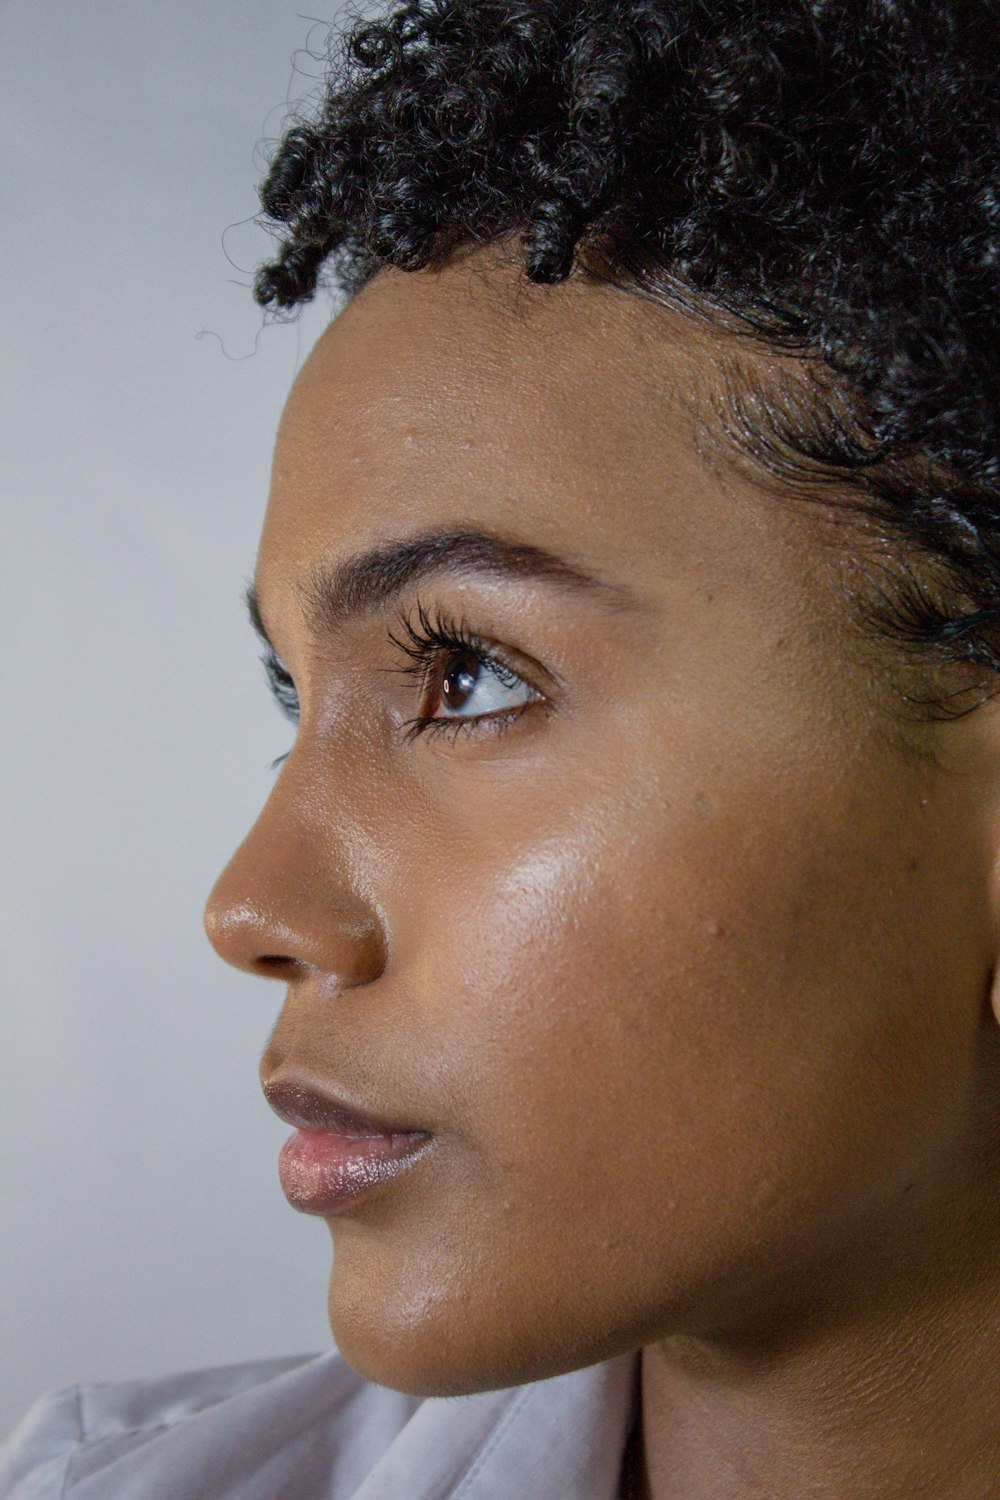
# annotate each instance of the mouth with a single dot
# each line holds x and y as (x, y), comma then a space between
(310, 1108)
(338, 1152)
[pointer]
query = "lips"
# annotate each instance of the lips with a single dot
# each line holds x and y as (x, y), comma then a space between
(301, 1103)
(339, 1155)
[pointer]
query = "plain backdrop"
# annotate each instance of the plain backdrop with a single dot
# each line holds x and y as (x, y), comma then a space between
(143, 1229)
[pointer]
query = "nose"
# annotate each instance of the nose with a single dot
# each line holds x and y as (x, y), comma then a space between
(286, 903)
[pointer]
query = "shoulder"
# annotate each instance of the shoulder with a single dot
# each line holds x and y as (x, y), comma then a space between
(199, 1431)
(309, 1427)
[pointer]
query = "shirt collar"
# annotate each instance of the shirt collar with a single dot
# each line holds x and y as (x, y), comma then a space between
(562, 1438)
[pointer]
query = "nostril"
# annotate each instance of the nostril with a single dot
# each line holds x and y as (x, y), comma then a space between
(267, 916)
(273, 962)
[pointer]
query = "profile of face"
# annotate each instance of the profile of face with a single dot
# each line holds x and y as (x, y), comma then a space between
(683, 964)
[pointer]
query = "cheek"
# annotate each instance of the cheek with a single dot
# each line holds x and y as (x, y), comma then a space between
(691, 1023)
(678, 1026)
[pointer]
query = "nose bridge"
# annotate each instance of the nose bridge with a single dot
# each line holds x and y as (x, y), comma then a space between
(293, 894)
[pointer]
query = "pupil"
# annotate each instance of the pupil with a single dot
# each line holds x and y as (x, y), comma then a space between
(455, 696)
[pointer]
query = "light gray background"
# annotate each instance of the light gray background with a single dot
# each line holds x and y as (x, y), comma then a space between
(143, 1229)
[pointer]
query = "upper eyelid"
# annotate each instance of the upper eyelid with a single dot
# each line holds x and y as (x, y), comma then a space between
(461, 637)
(279, 676)
(280, 680)
(519, 662)
(273, 663)
(505, 656)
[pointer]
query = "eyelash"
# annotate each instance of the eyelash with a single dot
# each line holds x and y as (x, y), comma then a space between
(446, 636)
(438, 635)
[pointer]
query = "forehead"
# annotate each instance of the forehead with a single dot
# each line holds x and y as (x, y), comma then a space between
(468, 391)
(475, 351)
(564, 416)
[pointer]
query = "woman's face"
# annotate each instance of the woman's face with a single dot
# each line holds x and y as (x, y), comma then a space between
(686, 970)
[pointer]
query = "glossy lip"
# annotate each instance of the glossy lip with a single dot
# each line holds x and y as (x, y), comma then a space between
(299, 1102)
(322, 1173)
(338, 1152)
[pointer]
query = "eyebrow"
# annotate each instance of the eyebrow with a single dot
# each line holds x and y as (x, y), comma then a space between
(369, 581)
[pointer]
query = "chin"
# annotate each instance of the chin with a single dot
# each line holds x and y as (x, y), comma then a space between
(436, 1346)
(422, 1358)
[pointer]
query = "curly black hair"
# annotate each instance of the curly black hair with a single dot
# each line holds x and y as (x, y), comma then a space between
(821, 177)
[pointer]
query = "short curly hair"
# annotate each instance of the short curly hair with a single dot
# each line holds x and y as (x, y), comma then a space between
(821, 177)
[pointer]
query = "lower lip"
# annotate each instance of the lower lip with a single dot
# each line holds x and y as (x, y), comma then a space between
(323, 1173)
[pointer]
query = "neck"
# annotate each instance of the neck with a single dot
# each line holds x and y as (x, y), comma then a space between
(882, 1386)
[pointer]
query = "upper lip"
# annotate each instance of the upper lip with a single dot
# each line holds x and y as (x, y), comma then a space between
(299, 1102)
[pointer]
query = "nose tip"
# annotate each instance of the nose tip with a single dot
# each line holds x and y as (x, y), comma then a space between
(235, 926)
(267, 920)
(297, 893)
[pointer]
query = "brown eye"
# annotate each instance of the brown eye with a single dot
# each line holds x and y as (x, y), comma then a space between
(467, 679)
(461, 674)
(460, 677)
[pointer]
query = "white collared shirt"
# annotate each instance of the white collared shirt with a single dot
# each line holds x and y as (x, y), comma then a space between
(310, 1428)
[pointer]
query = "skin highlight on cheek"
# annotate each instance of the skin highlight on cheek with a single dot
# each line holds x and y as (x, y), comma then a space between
(632, 981)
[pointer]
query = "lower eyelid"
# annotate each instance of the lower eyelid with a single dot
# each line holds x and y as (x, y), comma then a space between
(481, 726)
